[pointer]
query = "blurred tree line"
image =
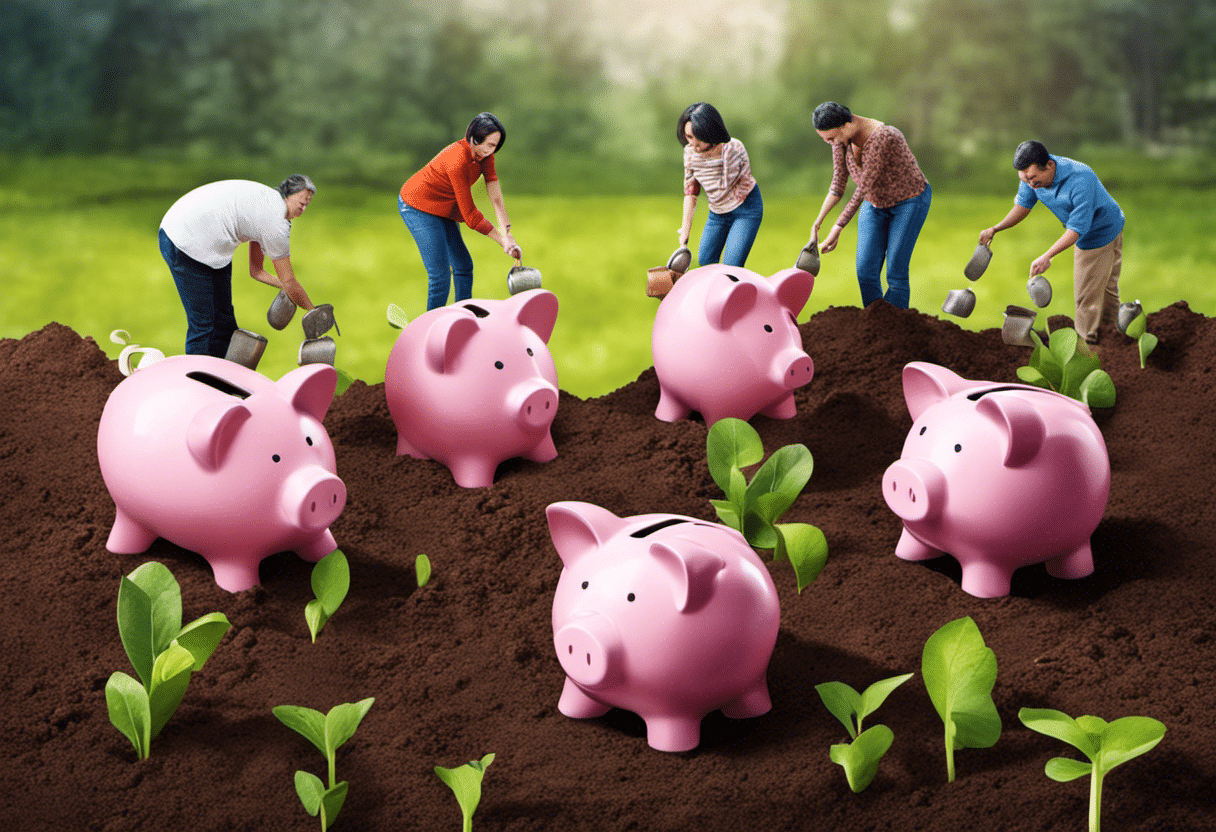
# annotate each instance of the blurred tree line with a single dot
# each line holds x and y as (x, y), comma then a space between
(372, 85)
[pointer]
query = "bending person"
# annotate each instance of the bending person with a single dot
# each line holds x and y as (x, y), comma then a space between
(436, 197)
(891, 199)
(718, 165)
(200, 233)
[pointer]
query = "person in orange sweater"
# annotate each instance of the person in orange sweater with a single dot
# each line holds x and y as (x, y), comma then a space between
(435, 198)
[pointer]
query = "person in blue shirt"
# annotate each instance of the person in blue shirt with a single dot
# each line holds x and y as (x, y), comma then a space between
(1093, 226)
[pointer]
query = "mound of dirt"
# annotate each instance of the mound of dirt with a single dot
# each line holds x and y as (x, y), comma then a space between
(465, 665)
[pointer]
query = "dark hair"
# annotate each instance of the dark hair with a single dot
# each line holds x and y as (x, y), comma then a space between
(1030, 153)
(707, 124)
(482, 125)
(829, 115)
(294, 184)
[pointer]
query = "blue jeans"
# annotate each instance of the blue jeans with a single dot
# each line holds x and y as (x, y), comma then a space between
(730, 235)
(889, 234)
(444, 254)
(206, 294)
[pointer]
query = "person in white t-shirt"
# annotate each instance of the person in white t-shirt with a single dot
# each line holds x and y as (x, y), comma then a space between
(199, 235)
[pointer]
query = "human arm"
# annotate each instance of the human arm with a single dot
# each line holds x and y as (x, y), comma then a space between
(1016, 214)
(690, 208)
(1043, 262)
(502, 234)
(840, 177)
(286, 279)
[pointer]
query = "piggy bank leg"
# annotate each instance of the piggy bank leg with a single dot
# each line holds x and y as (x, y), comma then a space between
(128, 537)
(473, 473)
(782, 409)
(405, 447)
(752, 703)
(1078, 564)
(672, 733)
(578, 705)
(670, 408)
(235, 575)
(319, 547)
(544, 451)
(909, 548)
(986, 580)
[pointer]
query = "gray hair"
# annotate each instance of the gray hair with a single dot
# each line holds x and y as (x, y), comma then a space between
(294, 184)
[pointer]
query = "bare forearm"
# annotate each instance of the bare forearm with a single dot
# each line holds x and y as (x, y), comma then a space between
(690, 209)
(829, 202)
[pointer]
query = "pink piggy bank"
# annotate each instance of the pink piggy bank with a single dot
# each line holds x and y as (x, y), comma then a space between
(726, 343)
(999, 476)
(473, 384)
(666, 616)
(219, 459)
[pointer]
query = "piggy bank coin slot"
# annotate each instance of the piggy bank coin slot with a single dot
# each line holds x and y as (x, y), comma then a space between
(662, 524)
(219, 384)
(975, 397)
(479, 311)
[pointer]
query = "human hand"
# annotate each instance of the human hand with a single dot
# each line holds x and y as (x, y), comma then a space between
(986, 236)
(1040, 265)
(830, 241)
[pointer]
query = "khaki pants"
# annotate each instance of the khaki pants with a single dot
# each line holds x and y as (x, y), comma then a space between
(1095, 277)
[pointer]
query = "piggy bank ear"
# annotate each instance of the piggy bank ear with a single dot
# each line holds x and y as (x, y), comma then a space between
(212, 430)
(1019, 422)
(310, 389)
(579, 528)
(927, 384)
(728, 300)
(537, 310)
(447, 338)
(691, 571)
(793, 288)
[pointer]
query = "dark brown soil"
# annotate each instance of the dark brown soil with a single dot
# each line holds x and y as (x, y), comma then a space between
(465, 665)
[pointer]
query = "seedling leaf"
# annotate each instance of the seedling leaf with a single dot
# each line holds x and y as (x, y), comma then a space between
(342, 721)
(843, 702)
(310, 789)
(149, 615)
(202, 635)
(726, 513)
(805, 546)
(1098, 390)
(330, 583)
(1031, 375)
(170, 676)
(1129, 737)
(314, 615)
(1060, 726)
(1063, 345)
(784, 474)
(465, 783)
(1147, 343)
(877, 693)
(331, 803)
(422, 570)
(127, 703)
(860, 757)
(397, 318)
(1135, 329)
(731, 443)
(1064, 769)
(959, 672)
(306, 722)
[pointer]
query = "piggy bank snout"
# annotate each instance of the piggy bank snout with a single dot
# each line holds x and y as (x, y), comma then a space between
(914, 489)
(794, 368)
(313, 498)
(587, 650)
(534, 404)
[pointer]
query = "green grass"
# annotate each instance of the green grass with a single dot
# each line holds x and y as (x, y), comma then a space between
(78, 246)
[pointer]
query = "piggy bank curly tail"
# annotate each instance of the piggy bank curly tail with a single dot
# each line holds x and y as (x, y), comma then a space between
(149, 355)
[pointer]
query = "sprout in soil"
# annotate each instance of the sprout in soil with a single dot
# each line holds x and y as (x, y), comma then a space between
(860, 757)
(754, 508)
(330, 583)
(959, 672)
(327, 732)
(162, 651)
(1106, 744)
(1064, 366)
(422, 570)
(465, 783)
(1146, 341)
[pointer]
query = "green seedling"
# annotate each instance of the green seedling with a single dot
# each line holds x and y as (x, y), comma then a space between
(465, 783)
(330, 583)
(1063, 366)
(1146, 341)
(860, 757)
(959, 672)
(422, 570)
(345, 380)
(162, 651)
(1106, 744)
(754, 508)
(327, 732)
(396, 316)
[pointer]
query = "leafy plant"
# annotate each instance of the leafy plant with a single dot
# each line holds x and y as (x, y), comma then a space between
(330, 583)
(465, 783)
(327, 732)
(1106, 744)
(753, 508)
(422, 569)
(1146, 341)
(860, 757)
(1064, 366)
(162, 651)
(959, 672)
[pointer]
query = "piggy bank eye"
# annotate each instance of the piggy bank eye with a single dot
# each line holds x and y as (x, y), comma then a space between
(958, 448)
(308, 439)
(497, 365)
(530, 351)
(584, 584)
(768, 328)
(923, 429)
(630, 597)
(275, 457)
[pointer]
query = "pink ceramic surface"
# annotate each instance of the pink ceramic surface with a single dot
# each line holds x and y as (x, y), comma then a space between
(997, 475)
(726, 343)
(472, 384)
(666, 616)
(219, 459)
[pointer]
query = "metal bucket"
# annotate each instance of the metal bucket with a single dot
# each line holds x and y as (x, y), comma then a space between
(959, 302)
(246, 348)
(521, 278)
(659, 281)
(808, 258)
(978, 263)
(282, 310)
(317, 351)
(1039, 290)
(679, 261)
(318, 321)
(1018, 322)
